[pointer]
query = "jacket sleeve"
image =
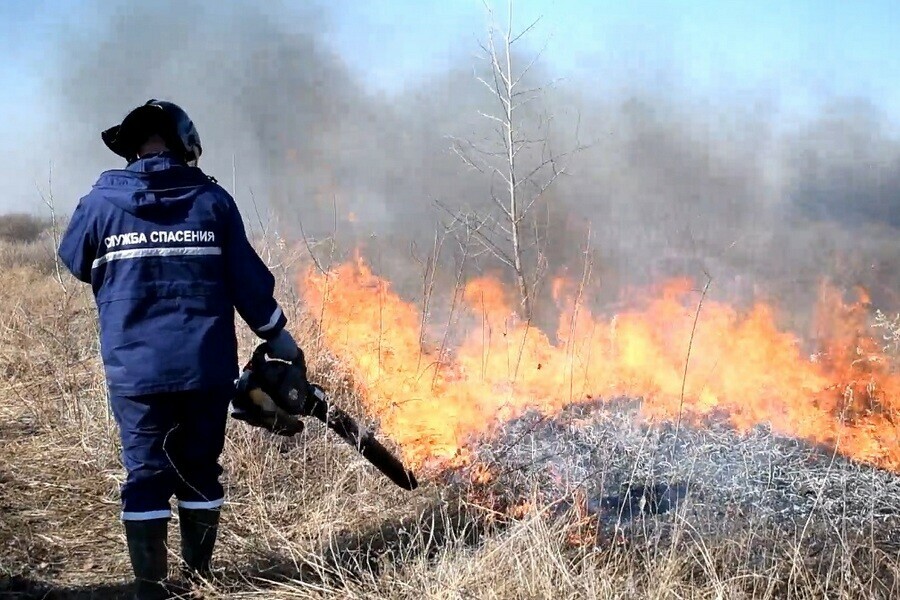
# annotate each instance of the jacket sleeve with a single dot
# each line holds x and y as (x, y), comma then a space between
(79, 245)
(250, 282)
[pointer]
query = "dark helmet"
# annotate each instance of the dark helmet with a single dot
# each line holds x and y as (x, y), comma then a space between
(165, 119)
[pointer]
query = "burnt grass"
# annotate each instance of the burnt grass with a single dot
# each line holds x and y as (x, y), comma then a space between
(786, 517)
(755, 498)
(782, 517)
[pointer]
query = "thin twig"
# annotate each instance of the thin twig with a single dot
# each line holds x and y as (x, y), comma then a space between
(688, 356)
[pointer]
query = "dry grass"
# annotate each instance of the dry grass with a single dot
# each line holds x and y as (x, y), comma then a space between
(308, 518)
(890, 328)
(37, 255)
(21, 227)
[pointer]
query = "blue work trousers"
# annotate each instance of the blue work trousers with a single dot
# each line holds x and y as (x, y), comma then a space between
(171, 445)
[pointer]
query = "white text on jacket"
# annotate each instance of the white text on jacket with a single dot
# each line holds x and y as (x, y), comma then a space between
(159, 237)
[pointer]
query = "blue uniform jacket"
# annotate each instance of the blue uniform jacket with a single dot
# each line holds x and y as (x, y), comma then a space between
(165, 251)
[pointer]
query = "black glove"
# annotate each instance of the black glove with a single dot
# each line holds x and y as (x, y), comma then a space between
(283, 346)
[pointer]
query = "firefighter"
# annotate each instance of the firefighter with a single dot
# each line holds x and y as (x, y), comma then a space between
(165, 251)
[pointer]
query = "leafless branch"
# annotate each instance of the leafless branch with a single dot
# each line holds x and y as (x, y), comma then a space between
(503, 176)
(309, 248)
(539, 89)
(528, 100)
(493, 118)
(527, 178)
(466, 159)
(687, 359)
(524, 31)
(534, 59)
(54, 227)
(489, 86)
(476, 230)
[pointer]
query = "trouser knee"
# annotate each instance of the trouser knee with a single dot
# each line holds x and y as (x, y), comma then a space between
(171, 445)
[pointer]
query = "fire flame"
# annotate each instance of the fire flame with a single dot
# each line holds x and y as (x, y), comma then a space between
(740, 366)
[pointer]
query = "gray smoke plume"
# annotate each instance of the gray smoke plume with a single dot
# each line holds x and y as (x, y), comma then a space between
(666, 187)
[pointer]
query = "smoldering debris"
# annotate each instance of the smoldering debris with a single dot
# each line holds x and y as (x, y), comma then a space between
(645, 482)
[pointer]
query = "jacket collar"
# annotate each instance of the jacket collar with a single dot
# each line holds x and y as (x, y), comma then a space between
(159, 161)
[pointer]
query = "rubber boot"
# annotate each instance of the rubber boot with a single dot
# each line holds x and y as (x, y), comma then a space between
(147, 549)
(199, 528)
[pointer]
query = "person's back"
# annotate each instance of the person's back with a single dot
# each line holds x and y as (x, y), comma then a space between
(165, 251)
(169, 263)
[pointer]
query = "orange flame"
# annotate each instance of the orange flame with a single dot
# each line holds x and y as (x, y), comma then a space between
(740, 365)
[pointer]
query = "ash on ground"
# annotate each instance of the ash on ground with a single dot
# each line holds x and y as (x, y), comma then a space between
(644, 481)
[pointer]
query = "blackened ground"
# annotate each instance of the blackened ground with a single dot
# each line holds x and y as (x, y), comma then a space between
(664, 485)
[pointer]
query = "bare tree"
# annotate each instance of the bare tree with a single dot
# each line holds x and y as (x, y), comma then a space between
(521, 167)
(54, 227)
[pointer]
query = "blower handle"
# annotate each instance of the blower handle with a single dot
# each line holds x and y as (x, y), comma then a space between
(260, 356)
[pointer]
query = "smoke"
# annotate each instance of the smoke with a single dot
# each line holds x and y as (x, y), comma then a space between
(267, 96)
(667, 185)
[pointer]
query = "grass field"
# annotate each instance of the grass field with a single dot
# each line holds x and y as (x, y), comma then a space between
(308, 518)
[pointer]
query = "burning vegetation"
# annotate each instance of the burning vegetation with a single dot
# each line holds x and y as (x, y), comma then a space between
(674, 411)
(578, 469)
(684, 360)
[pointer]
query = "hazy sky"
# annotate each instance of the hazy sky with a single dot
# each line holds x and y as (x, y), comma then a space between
(803, 52)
